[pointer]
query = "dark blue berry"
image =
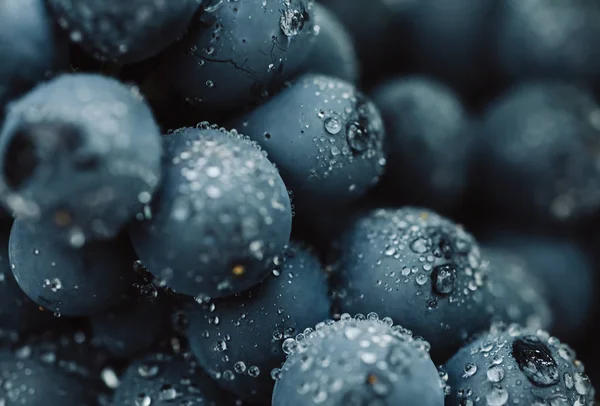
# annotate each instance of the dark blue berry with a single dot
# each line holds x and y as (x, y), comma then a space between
(548, 39)
(451, 40)
(17, 311)
(67, 280)
(80, 155)
(357, 362)
(72, 352)
(427, 273)
(370, 25)
(333, 53)
(26, 382)
(238, 340)
(428, 141)
(539, 158)
(325, 137)
(221, 217)
(163, 379)
(566, 274)
(517, 365)
(134, 326)
(236, 51)
(124, 31)
(31, 47)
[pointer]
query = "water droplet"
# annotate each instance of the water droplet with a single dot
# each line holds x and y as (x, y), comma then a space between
(497, 396)
(253, 371)
(54, 284)
(239, 367)
(148, 370)
(535, 361)
(568, 380)
(143, 400)
(582, 383)
(167, 393)
(419, 246)
(421, 279)
(495, 373)
(213, 171)
(220, 346)
(333, 125)
(470, 370)
(444, 278)
(368, 357)
(289, 346)
(357, 137)
(291, 22)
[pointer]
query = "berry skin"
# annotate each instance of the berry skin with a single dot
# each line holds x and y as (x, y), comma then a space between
(17, 311)
(80, 155)
(72, 353)
(124, 31)
(132, 327)
(357, 362)
(559, 45)
(451, 40)
(517, 366)
(236, 51)
(368, 23)
(333, 53)
(221, 217)
(238, 339)
(30, 383)
(519, 294)
(324, 136)
(427, 273)
(566, 273)
(66, 280)
(428, 139)
(31, 47)
(538, 157)
(163, 379)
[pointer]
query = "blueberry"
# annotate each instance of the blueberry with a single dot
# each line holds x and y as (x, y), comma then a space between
(429, 141)
(517, 365)
(357, 362)
(80, 155)
(236, 51)
(548, 39)
(333, 53)
(124, 31)
(538, 158)
(424, 271)
(31, 47)
(66, 280)
(26, 382)
(163, 379)
(133, 327)
(369, 24)
(451, 39)
(520, 295)
(238, 339)
(221, 217)
(564, 269)
(72, 352)
(17, 311)
(324, 136)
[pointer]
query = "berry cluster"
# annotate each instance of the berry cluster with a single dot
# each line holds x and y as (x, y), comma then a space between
(299, 202)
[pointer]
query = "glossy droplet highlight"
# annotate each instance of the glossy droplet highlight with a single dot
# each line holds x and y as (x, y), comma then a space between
(291, 22)
(444, 278)
(333, 125)
(535, 361)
